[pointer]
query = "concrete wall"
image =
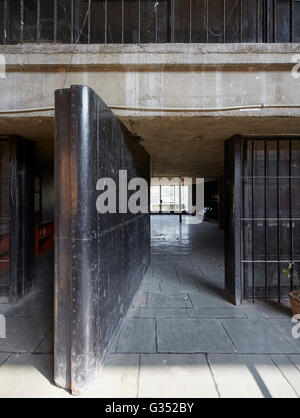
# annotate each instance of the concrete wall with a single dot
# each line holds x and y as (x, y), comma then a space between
(100, 258)
(161, 75)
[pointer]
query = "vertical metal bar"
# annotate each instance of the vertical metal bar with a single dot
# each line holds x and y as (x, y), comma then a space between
(123, 17)
(22, 21)
(241, 21)
(253, 226)
(291, 210)
(274, 19)
(257, 20)
(6, 23)
(207, 21)
(156, 22)
(89, 22)
(38, 22)
(139, 21)
(55, 22)
(190, 22)
(76, 21)
(160, 202)
(265, 19)
(278, 216)
(72, 21)
(266, 223)
(173, 21)
(105, 22)
(291, 22)
(180, 205)
(242, 154)
(224, 21)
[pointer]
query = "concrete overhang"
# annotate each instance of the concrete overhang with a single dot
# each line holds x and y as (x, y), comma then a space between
(202, 76)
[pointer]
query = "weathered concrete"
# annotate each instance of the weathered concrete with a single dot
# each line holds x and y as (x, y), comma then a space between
(178, 75)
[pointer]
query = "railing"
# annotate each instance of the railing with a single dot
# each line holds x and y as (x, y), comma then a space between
(149, 21)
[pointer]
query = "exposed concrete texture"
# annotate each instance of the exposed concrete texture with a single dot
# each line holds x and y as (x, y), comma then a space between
(178, 75)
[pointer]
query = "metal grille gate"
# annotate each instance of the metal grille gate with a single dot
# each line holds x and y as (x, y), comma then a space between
(262, 231)
(4, 219)
(270, 222)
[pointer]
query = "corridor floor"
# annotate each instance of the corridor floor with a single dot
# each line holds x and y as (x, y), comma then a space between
(181, 338)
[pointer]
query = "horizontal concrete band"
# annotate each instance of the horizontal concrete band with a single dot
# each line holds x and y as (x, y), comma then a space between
(150, 56)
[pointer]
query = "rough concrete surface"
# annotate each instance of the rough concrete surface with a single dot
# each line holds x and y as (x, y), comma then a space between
(180, 76)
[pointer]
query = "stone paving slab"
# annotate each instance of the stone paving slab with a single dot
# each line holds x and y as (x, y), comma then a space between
(169, 300)
(208, 299)
(212, 271)
(159, 313)
(47, 345)
(175, 376)
(164, 271)
(256, 336)
(25, 334)
(118, 378)
(137, 336)
(285, 327)
(289, 371)
(3, 357)
(296, 360)
(192, 336)
(249, 376)
(266, 310)
(140, 300)
(215, 313)
(29, 376)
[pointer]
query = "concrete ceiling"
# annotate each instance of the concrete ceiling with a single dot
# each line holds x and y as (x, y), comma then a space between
(179, 146)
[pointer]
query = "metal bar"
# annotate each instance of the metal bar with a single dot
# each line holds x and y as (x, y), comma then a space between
(156, 22)
(270, 261)
(38, 22)
(266, 21)
(89, 22)
(55, 22)
(160, 202)
(207, 22)
(253, 224)
(242, 247)
(123, 26)
(190, 22)
(257, 20)
(173, 21)
(291, 210)
(241, 21)
(76, 22)
(271, 219)
(224, 21)
(139, 21)
(105, 22)
(278, 216)
(6, 23)
(180, 205)
(291, 22)
(72, 21)
(274, 19)
(22, 21)
(266, 224)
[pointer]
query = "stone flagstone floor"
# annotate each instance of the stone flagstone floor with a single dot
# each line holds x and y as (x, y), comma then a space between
(181, 338)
